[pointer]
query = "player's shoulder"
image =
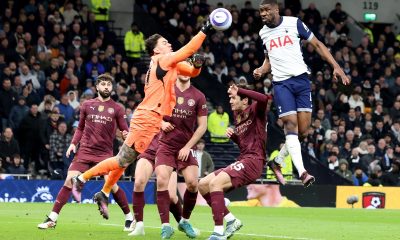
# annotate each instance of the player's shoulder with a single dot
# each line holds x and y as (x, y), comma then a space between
(115, 105)
(196, 92)
(289, 21)
(89, 102)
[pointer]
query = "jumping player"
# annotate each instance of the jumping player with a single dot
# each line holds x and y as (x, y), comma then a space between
(292, 89)
(249, 110)
(172, 149)
(98, 121)
(158, 102)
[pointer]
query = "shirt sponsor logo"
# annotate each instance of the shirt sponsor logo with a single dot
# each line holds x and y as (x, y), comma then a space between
(100, 119)
(191, 102)
(243, 127)
(280, 42)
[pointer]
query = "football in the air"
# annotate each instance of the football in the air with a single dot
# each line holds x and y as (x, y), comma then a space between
(221, 19)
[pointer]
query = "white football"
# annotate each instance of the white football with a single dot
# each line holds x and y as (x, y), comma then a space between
(221, 19)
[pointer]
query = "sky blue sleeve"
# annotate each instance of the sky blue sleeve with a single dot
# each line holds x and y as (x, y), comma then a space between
(304, 32)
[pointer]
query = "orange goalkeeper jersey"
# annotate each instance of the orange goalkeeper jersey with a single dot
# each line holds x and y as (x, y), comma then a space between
(162, 74)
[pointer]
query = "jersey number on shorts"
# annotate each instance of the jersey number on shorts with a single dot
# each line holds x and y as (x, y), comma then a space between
(237, 166)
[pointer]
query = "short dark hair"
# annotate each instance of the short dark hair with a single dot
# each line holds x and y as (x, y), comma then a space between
(151, 43)
(272, 2)
(104, 77)
(249, 100)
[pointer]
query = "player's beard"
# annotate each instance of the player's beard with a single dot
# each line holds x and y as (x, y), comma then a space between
(271, 23)
(104, 94)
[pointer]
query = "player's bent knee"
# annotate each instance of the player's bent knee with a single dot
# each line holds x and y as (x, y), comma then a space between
(192, 186)
(126, 155)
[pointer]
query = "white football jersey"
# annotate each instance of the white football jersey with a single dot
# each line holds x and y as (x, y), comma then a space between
(283, 46)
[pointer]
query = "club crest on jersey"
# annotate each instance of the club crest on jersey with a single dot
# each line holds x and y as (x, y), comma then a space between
(280, 42)
(100, 108)
(110, 110)
(180, 100)
(191, 102)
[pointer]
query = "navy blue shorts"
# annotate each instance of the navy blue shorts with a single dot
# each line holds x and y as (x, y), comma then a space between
(293, 95)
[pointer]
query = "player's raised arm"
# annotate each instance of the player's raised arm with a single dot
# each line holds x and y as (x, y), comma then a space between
(188, 50)
(327, 56)
(193, 69)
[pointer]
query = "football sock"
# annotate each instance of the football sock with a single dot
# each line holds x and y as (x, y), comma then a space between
(62, 198)
(229, 217)
(120, 198)
(53, 216)
(283, 152)
(219, 229)
(163, 205)
(138, 205)
(129, 216)
(189, 201)
(207, 197)
(176, 210)
(112, 179)
(294, 149)
(102, 168)
(218, 205)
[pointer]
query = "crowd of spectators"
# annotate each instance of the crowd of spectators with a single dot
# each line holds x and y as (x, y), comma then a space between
(51, 53)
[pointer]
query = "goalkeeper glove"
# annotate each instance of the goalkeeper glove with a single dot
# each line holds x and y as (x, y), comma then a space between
(198, 60)
(207, 27)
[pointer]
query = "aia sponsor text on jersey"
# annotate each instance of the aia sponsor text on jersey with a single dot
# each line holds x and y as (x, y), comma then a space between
(280, 42)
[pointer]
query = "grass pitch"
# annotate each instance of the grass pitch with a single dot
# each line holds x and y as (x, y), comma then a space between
(82, 221)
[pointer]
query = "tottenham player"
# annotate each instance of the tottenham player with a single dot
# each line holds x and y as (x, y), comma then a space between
(281, 38)
(98, 121)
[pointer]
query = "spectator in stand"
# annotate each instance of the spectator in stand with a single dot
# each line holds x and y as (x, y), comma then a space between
(359, 177)
(16, 167)
(7, 99)
(218, 122)
(66, 110)
(59, 142)
(30, 139)
(204, 159)
(17, 113)
(134, 44)
(8, 147)
(392, 178)
(343, 170)
(2, 169)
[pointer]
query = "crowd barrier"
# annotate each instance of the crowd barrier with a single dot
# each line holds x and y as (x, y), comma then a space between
(252, 195)
(47, 190)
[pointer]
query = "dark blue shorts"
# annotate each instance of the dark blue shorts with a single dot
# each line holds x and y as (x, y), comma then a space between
(293, 95)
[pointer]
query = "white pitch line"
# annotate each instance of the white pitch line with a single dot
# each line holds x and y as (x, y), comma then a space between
(242, 234)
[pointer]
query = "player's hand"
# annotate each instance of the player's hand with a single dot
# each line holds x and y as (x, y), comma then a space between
(233, 90)
(198, 60)
(124, 134)
(184, 154)
(229, 132)
(338, 72)
(167, 126)
(71, 148)
(207, 27)
(258, 73)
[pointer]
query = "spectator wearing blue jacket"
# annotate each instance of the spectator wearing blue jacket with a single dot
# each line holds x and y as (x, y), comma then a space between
(65, 109)
(359, 177)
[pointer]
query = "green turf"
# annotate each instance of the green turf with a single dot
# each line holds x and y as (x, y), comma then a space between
(81, 221)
